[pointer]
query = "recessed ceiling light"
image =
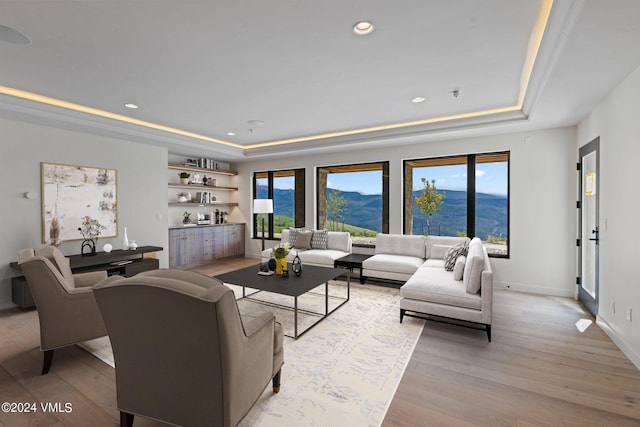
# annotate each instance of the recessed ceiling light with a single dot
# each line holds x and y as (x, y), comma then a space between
(256, 123)
(418, 99)
(130, 105)
(231, 134)
(363, 28)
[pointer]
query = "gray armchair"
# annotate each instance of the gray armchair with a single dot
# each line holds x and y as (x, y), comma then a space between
(66, 306)
(183, 353)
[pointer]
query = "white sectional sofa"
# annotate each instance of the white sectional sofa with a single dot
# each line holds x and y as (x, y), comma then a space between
(429, 289)
(338, 244)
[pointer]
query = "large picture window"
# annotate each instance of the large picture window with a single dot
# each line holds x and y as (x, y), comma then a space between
(459, 196)
(286, 188)
(354, 198)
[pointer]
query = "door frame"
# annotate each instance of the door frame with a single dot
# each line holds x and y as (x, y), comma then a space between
(589, 302)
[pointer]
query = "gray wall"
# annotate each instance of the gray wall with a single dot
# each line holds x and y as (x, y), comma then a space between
(142, 188)
(543, 193)
(617, 122)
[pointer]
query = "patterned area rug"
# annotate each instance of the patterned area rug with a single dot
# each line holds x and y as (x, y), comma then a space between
(342, 372)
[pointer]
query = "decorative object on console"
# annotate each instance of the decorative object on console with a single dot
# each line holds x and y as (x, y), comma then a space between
(296, 265)
(184, 177)
(54, 233)
(133, 245)
(108, 247)
(90, 230)
(186, 218)
(125, 240)
(260, 206)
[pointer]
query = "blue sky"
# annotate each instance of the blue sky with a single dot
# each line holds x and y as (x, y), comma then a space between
(491, 178)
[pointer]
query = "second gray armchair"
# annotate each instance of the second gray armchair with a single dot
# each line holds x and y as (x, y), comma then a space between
(183, 353)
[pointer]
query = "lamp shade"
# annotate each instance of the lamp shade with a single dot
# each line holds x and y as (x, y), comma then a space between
(262, 206)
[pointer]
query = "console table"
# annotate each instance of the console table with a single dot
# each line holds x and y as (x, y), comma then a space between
(125, 263)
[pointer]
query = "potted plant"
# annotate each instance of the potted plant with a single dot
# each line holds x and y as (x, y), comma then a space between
(182, 197)
(280, 252)
(186, 218)
(184, 177)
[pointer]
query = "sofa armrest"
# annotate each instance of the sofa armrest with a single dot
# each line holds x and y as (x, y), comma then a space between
(486, 294)
(83, 280)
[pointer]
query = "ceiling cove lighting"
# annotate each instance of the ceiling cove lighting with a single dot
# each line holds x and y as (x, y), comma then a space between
(362, 28)
(29, 96)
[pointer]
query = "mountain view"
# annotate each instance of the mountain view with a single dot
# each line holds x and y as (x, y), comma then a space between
(361, 215)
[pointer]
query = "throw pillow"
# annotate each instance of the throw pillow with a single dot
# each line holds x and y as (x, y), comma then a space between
(458, 269)
(319, 239)
(452, 255)
(303, 239)
(293, 235)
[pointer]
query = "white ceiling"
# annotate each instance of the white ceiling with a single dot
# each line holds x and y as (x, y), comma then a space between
(210, 67)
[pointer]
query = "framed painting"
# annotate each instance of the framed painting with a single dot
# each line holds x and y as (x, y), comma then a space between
(71, 193)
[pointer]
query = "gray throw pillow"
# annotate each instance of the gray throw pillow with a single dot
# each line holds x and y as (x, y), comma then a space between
(303, 239)
(452, 255)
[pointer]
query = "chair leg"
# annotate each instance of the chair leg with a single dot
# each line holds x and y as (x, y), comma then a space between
(402, 311)
(126, 419)
(47, 361)
(489, 332)
(276, 382)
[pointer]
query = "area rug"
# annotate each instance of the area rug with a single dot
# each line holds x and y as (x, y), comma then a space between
(342, 372)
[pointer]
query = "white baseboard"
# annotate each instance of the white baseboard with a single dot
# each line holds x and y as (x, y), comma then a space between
(633, 356)
(534, 289)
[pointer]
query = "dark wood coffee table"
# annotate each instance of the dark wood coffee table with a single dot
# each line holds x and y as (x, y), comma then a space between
(293, 286)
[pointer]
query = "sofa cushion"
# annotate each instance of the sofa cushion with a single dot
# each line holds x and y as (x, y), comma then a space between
(438, 286)
(433, 263)
(293, 234)
(400, 244)
(303, 239)
(319, 239)
(452, 255)
(438, 245)
(473, 266)
(339, 241)
(458, 268)
(320, 256)
(393, 263)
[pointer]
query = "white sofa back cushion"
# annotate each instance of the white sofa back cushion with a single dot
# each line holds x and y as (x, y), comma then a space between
(437, 246)
(473, 266)
(400, 244)
(339, 241)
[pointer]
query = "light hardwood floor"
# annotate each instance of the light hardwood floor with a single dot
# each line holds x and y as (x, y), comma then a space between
(538, 371)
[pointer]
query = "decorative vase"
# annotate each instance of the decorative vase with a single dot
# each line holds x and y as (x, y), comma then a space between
(296, 265)
(88, 247)
(125, 240)
(184, 181)
(133, 245)
(281, 266)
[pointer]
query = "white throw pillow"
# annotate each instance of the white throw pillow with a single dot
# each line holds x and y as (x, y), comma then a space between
(458, 269)
(319, 239)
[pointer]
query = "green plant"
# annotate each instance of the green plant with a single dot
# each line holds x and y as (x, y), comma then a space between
(182, 194)
(336, 205)
(184, 174)
(281, 250)
(186, 216)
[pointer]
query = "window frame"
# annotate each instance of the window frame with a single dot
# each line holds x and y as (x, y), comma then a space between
(471, 162)
(321, 180)
(299, 199)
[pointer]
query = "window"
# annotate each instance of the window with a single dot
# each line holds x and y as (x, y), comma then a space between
(354, 198)
(286, 188)
(459, 196)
